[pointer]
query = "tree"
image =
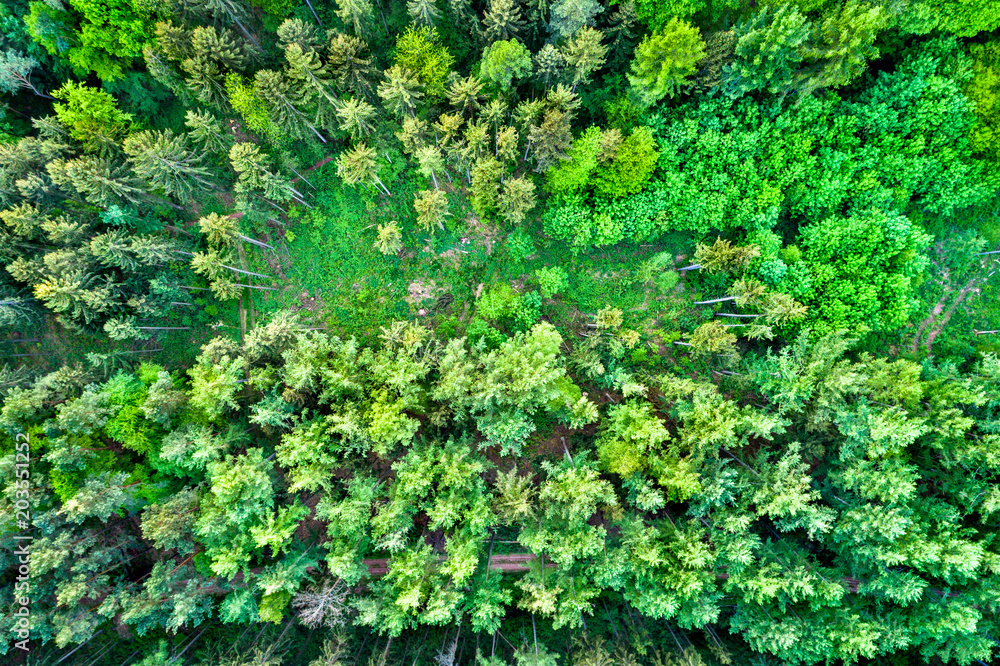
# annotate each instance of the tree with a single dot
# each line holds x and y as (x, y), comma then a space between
(102, 36)
(423, 12)
(722, 255)
(485, 186)
(551, 140)
(504, 61)
(400, 91)
(432, 208)
(92, 116)
(356, 116)
(359, 14)
(430, 161)
(983, 89)
(569, 16)
(503, 20)
(312, 83)
(208, 131)
(549, 63)
(768, 51)
(965, 19)
(713, 338)
(665, 61)
(842, 45)
(517, 199)
(389, 239)
(863, 271)
(350, 66)
(164, 160)
(272, 88)
(464, 95)
(358, 165)
(298, 32)
(585, 54)
(420, 51)
(15, 72)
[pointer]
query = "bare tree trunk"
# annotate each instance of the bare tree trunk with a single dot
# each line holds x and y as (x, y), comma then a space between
(715, 300)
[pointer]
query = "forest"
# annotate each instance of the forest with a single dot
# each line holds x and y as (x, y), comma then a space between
(499, 332)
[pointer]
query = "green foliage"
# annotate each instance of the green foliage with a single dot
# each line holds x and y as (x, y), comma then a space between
(769, 49)
(505, 61)
(665, 61)
(420, 50)
(983, 91)
(631, 166)
(862, 271)
(102, 36)
(552, 280)
(91, 115)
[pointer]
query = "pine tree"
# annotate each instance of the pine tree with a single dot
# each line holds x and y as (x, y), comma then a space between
(549, 64)
(768, 51)
(15, 72)
(842, 45)
(567, 17)
(431, 207)
(164, 160)
(413, 135)
(517, 199)
(400, 91)
(623, 20)
(359, 14)
(485, 187)
(389, 239)
(423, 12)
(100, 181)
(220, 47)
(356, 116)
(358, 165)
(273, 89)
(585, 54)
(208, 131)
(665, 61)
(724, 256)
(503, 20)
(464, 95)
(298, 32)
(349, 65)
(551, 140)
(430, 162)
(311, 83)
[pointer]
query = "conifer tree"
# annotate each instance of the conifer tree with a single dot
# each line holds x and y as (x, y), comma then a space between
(464, 95)
(350, 65)
(432, 208)
(551, 139)
(273, 89)
(585, 54)
(358, 165)
(208, 131)
(400, 91)
(164, 160)
(359, 14)
(665, 61)
(503, 20)
(569, 16)
(356, 116)
(549, 64)
(423, 12)
(517, 199)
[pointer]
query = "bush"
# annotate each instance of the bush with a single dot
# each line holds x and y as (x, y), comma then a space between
(552, 280)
